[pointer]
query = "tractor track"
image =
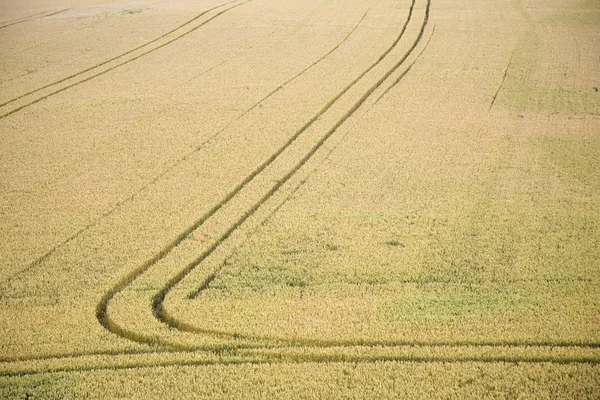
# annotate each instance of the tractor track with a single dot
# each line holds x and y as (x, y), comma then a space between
(158, 300)
(407, 70)
(120, 63)
(336, 146)
(102, 308)
(162, 315)
(284, 344)
(257, 358)
(183, 25)
(501, 82)
(42, 14)
(274, 359)
(158, 309)
(38, 261)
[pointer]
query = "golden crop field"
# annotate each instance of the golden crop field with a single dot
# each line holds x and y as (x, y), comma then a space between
(299, 199)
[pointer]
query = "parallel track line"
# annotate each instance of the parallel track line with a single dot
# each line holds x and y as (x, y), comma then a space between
(42, 14)
(127, 61)
(312, 360)
(101, 309)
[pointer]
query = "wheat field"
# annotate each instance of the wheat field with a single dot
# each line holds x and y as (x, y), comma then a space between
(310, 199)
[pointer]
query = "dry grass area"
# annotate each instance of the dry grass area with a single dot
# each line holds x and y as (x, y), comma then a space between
(315, 199)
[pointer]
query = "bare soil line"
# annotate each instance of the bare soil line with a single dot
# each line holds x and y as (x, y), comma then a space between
(102, 308)
(33, 17)
(117, 65)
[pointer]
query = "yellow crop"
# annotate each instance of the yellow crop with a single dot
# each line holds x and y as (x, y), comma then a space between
(316, 199)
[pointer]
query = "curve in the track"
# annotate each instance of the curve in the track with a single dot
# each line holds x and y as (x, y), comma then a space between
(158, 301)
(102, 308)
(308, 358)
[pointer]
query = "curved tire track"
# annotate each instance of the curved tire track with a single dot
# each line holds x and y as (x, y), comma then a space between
(308, 358)
(102, 308)
(158, 300)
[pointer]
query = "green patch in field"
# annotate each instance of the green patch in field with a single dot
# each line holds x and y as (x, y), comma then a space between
(577, 158)
(478, 246)
(52, 386)
(444, 303)
(289, 264)
(569, 233)
(357, 249)
(522, 92)
(586, 13)
(524, 95)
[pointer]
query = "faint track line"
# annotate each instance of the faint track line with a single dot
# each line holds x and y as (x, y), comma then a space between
(310, 66)
(114, 58)
(281, 86)
(22, 19)
(6, 360)
(578, 47)
(127, 61)
(42, 14)
(502, 82)
(74, 236)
